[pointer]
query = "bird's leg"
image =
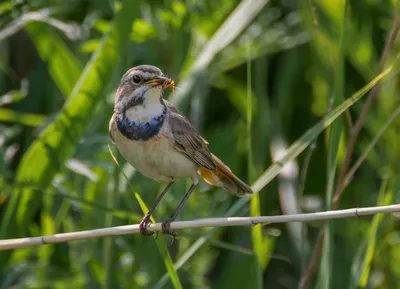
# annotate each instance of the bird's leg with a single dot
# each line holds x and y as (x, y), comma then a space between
(166, 225)
(146, 219)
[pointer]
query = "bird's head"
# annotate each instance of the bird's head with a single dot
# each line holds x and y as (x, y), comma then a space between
(140, 86)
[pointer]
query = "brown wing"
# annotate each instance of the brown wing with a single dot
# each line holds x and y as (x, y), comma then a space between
(187, 140)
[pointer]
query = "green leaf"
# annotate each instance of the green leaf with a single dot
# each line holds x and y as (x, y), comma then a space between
(239, 19)
(361, 266)
(48, 227)
(142, 31)
(90, 46)
(325, 274)
(30, 119)
(6, 6)
(385, 199)
(58, 141)
(63, 66)
(259, 246)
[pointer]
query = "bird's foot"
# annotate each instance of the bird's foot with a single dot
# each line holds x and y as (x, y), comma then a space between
(166, 228)
(143, 226)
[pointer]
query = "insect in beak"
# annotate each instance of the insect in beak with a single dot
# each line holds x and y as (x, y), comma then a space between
(165, 82)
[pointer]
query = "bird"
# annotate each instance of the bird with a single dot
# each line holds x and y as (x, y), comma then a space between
(159, 141)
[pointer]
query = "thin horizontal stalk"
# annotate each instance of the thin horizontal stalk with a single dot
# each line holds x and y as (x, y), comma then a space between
(211, 222)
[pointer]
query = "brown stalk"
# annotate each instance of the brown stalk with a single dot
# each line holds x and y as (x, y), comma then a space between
(354, 132)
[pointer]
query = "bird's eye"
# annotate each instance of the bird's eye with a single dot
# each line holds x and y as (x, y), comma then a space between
(136, 79)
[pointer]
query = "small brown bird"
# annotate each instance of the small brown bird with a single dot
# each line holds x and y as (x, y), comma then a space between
(158, 140)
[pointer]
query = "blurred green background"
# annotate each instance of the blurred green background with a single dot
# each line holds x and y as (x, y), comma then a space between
(252, 76)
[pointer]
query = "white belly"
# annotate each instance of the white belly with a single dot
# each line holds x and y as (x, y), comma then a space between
(156, 158)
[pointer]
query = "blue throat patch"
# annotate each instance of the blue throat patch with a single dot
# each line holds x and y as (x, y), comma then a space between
(140, 131)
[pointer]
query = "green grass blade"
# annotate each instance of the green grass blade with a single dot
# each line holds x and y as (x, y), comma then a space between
(6, 6)
(109, 244)
(384, 200)
(48, 227)
(60, 60)
(325, 274)
(302, 143)
(173, 275)
(258, 244)
(256, 231)
(58, 141)
(361, 266)
(160, 240)
(371, 145)
(29, 119)
(294, 150)
(231, 247)
(239, 19)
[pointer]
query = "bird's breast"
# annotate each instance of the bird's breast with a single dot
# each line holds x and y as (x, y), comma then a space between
(140, 130)
(155, 157)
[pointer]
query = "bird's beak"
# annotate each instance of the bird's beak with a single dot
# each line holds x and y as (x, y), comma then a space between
(165, 82)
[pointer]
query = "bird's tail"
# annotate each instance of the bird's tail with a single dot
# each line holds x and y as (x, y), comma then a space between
(223, 177)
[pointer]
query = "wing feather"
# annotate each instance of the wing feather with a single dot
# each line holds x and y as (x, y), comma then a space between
(187, 140)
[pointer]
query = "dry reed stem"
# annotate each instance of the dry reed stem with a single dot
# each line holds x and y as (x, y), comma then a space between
(200, 223)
